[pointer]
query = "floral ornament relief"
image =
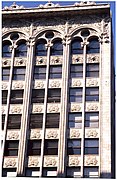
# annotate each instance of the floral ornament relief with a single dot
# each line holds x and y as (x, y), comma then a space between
(50, 162)
(74, 133)
(76, 83)
(92, 83)
(20, 62)
(10, 163)
(40, 60)
(35, 134)
(56, 60)
(3, 110)
(33, 161)
(55, 84)
(91, 161)
(92, 59)
(6, 62)
(4, 86)
(92, 133)
(39, 84)
(18, 85)
(13, 135)
(37, 109)
(74, 161)
(52, 134)
(77, 59)
(75, 108)
(92, 107)
(16, 109)
(53, 108)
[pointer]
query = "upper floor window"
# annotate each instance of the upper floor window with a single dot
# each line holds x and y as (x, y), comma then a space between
(39, 72)
(36, 121)
(14, 121)
(4, 96)
(52, 120)
(6, 51)
(75, 120)
(55, 72)
(51, 147)
(92, 119)
(76, 46)
(93, 46)
(54, 95)
(34, 147)
(38, 95)
(74, 147)
(73, 172)
(16, 97)
(50, 172)
(40, 49)
(3, 121)
(11, 148)
(32, 171)
(92, 70)
(21, 50)
(76, 95)
(91, 146)
(5, 73)
(57, 48)
(9, 172)
(19, 73)
(76, 71)
(91, 172)
(92, 94)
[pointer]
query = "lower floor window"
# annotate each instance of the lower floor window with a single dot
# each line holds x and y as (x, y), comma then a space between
(50, 172)
(91, 172)
(73, 172)
(32, 172)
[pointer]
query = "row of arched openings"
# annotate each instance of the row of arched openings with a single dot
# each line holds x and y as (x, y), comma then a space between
(56, 49)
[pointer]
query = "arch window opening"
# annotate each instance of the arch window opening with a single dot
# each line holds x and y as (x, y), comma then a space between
(93, 46)
(57, 48)
(76, 46)
(40, 49)
(21, 50)
(6, 51)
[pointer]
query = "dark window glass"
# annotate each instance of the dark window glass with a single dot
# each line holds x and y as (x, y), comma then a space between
(92, 70)
(93, 46)
(34, 147)
(32, 172)
(40, 72)
(50, 172)
(73, 172)
(36, 121)
(16, 97)
(52, 120)
(14, 121)
(91, 146)
(76, 71)
(11, 148)
(6, 51)
(51, 147)
(91, 172)
(57, 48)
(92, 119)
(38, 95)
(3, 121)
(74, 147)
(5, 74)
(40, 48)
(19, 73)
(92, 94)
(4, 96)
(54, 95)
(76, 46)
(8, 172)
(75, 120)
(76, 95)
(21, 50)
(55, 72)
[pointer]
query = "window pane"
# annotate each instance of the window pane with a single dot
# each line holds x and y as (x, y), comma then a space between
(11, 148)
(52, 120)
(55, 72)
(38, 95)
(76, 47)
(91, 172)
(36, 121)
(76, 71)
(14, 121)
(32, 172)
(19, 73)
(4, 96)
(93, 46)
(57, 48)
(76, 95)
(16, 97)
(54, 95)
(6, 51)
(21, 50)
(51, 147)
(73, 172)
(34, 147)
(75, 120)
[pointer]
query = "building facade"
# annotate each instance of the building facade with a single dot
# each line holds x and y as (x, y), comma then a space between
(57, 91)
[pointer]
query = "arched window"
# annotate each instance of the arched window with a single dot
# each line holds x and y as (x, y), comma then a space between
(6, 52)
(57, 48)
(76, 46)
(21, 49)
(40, 48)
(93, 46)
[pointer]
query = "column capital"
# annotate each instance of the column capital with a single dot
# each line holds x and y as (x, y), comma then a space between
(84, 43)
(66, 39)
(49, 44)
(30, 41)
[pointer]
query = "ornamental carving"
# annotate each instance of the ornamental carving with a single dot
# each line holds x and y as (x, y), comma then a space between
(37, 109)
(54, 108)
(39, 84)
(74, 133)
(85, 3)
(33, 161)
(20, 62)
(92, 107)
(3, 110)
(55, 84)
(91, 161)
(48, 5)
(4, 86)
(56, 60)
(13, 135)
(52, 134)
(35, 134)
(16, 109)
(92, 133)
(50, 162)
(18, 85)
(93, 59)
(77, 59)
(92, 83)
(73, 161)
(75, 108)
(13, 6)
(40, 61)
(10, 163)
(6, 62)
(77, 83)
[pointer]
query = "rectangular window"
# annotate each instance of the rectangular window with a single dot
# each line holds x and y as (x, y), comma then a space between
(39, 72)
(34, 147)
(32, 172)
(76, 95)
(11, 148)
(38, 95)
(54, 95)
(50, 172)
(92, 70)
(5, 73)
(76, 71)
(91, 172)
(36, 121)
(73, 172)
(74, 147)
(3, 121)
(92, 94)
(92, 119)
(4, 96)
(52, 120)
(14, 121)
(75, 120)
(16, 97)
(19, 73)
(9, 172)
(51, 147)
(91, 146)
(55, 72)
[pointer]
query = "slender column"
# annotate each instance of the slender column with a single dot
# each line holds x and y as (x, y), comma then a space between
(45, 108)
(8, 101)
(25, 113)
(83, 107)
